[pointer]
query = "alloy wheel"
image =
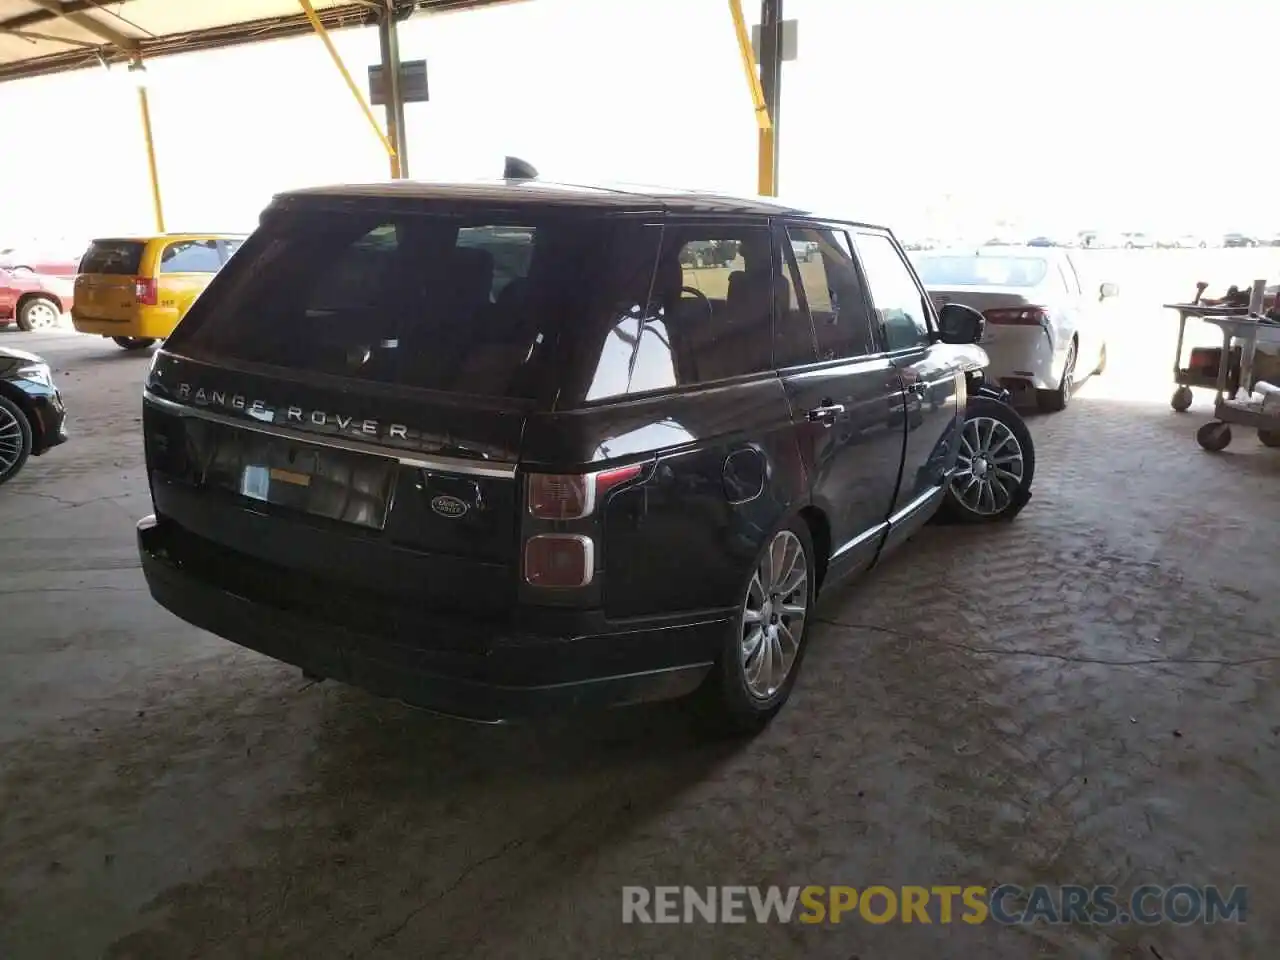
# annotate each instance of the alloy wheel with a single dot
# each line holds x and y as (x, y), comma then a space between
(10, 441)
(990, 467)
(773, 615)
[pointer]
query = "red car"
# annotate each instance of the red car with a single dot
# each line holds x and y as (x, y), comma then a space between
(34, 300)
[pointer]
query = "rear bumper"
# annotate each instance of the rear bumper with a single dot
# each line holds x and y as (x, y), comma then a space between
(513, 674)
(156, 328)
(1022, 357)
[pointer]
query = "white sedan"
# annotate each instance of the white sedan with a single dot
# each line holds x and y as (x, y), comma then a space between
(1045, 331)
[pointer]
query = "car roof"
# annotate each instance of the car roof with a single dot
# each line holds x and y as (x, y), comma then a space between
(612, 197)
(1015, 250)
(148, 237)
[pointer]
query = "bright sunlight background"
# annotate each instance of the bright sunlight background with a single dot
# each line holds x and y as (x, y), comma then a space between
(1055, 114)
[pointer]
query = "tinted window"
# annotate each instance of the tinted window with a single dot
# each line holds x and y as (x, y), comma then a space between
(112, 257)
(473, 306)
(191, 256)
(707, 317)
(899, 303)
(832, 291)
(962, 271)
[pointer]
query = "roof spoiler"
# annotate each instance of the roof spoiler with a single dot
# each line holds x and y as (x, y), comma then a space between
(517, 169)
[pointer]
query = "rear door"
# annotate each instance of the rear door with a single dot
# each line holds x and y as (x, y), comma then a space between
(931, 374)
(106, 285)
(845, 394)
(8, 295)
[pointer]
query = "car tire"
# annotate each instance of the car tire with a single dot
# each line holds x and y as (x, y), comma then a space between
(1214, 436)
(15, 439)
(1269, 438)
(731, 702)
(133, 343)
(1055, 401)
(994, 439)
(38, 313)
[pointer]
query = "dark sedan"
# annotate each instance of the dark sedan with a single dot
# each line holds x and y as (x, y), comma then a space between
(32, 417)
(34, 300)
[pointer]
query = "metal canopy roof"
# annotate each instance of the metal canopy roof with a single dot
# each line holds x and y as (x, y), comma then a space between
(52, 36)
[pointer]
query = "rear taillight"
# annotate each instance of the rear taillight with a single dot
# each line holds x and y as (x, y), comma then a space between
(144, 291)
(1018, 316)
(559, 496)
(559, 560)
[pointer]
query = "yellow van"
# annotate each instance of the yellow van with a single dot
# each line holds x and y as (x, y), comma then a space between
(136, 289)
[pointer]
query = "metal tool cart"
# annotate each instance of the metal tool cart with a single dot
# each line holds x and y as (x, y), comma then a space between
(1191, 375)
(1229, 407)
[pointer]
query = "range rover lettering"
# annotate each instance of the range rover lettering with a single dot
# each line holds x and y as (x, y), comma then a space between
(504, 449)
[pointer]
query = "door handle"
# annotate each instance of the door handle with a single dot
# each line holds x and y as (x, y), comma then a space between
(826, 414)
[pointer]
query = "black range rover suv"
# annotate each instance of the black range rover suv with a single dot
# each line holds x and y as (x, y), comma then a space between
(502, 449)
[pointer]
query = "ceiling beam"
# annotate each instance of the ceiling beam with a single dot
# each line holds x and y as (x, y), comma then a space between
(85, 21)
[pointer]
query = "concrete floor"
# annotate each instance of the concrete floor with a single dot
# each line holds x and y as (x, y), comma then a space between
(1086, 696)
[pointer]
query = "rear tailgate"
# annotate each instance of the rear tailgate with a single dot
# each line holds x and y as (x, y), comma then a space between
(106, 284)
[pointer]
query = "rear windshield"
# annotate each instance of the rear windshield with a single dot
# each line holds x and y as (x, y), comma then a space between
(961, 271)
(481, 304)
(112, 256)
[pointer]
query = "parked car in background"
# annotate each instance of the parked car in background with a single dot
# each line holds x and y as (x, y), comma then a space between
(1239, 240)
(32, 417)
(1045, 331)
(134, 290)
(615, 477)
(32, 300)
(51, 260)
(1137, 241)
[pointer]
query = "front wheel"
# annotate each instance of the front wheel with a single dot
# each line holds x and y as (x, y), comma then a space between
(133, 343)
(15, 439)
(763, 650)
(1181, 400)
(995, 468)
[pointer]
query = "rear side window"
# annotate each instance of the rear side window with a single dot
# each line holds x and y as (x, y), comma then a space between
(122, 257)
(475, 305)
(191, 256)
(707, 316)
(833, 291)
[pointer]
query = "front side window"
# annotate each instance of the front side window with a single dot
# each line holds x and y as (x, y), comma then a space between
(191, 256)
(900, 306)
(833, 292)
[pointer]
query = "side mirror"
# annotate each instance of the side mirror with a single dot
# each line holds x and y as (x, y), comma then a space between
(1108, 290)
(960, 324)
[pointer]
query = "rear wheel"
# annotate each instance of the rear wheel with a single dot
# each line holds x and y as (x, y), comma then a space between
(1054, 401)
(133, 343)
(38, 313)
(15, 439)
(762, 652)
(1269, 438)
(995, 468)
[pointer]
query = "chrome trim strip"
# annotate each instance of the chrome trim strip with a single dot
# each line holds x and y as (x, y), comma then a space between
(918, 503)
(861, 539)
(470, 468)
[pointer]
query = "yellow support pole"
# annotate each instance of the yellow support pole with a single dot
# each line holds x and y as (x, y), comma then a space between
(310, 11)
(144, 108)
(765, 172)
